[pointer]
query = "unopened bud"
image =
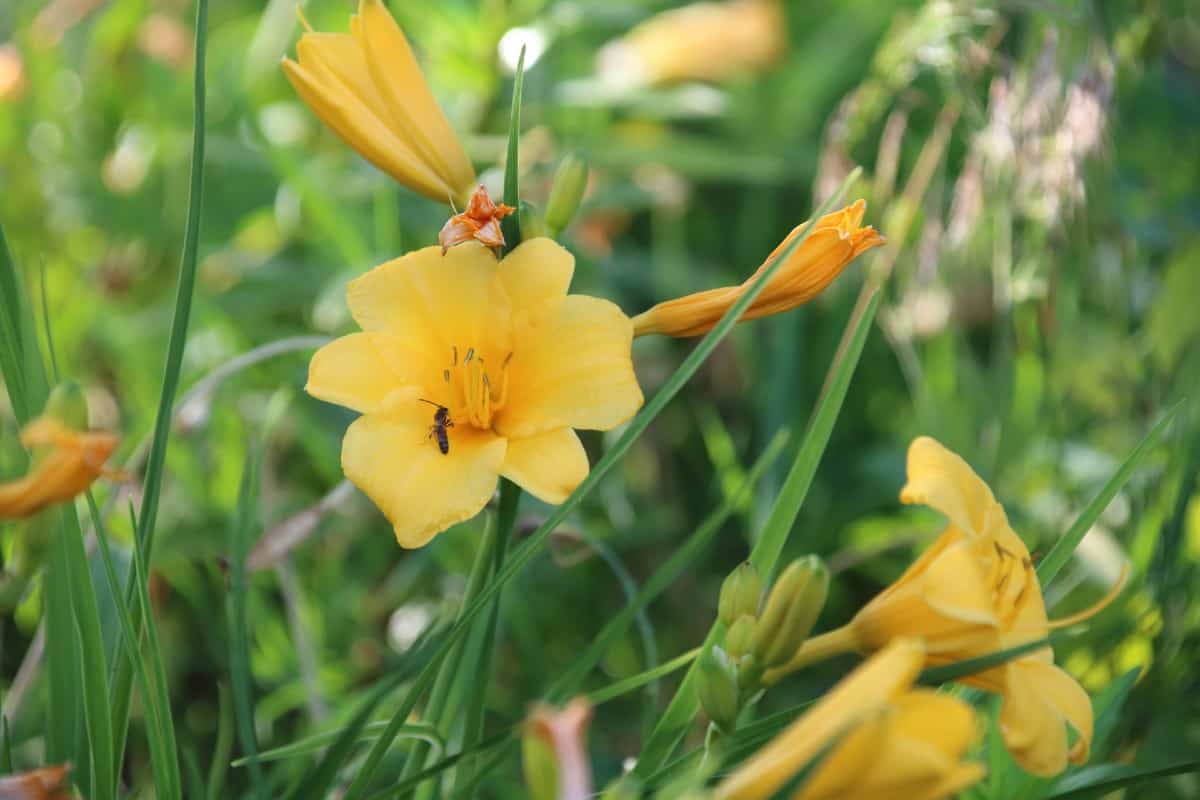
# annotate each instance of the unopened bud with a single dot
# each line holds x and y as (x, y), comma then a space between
(533, 224)
(740, 637)
(792, 608)
(540, 767)
(740, 594)
(716, 685)
(68, 405)
(626, 787)
(570, 181)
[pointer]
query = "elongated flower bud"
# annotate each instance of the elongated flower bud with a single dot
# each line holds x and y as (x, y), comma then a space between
(740, 594)
(716, 686)
(68, 405)
(740, 637)
(570, 182)
(791, 611)
(836, 240)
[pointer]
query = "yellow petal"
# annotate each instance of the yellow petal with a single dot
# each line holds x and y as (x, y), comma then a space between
(547, 465)
(536, 276)
(435, 303)
(941, 721)
(864, 692)
(72, 463)
(390, 456)
(349, 371)
(410, 103)
(575, 370)
(1062, 693)
(1033, 731)
(340, 106)
(941, 480)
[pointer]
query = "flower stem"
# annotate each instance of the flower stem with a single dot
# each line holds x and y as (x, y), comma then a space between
(827, 645)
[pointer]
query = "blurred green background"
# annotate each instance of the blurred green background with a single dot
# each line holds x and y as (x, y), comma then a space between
(1035, 166)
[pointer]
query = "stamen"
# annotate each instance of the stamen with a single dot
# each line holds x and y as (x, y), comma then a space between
(455, 348)
(446, 375)
(303, 19)
(1096, 608)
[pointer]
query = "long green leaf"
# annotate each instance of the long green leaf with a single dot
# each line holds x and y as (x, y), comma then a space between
(1062, 550)
(1104, 779)
(533, 545)
(682, 710)
(664, 576)
(935, 676)
(122, 683)
(511, 226)
(633, 682)
(223, 747)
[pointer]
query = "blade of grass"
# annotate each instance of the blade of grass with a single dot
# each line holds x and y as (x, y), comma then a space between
(633, 682)
(511, 225)
(240, 536)
(161, 734)
(664, 576)
(122, 682)
(1062, 550)
(6, 756)
(1104, 779)
(319, 741)
(678, 717)
(62, 659)
(533, 545)
(223, 746)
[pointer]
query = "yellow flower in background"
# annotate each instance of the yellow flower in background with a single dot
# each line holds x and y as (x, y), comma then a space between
(468, 369)
(975, 592)
(701, 41)
(368, 88)
(837, 239)
(66, 462)
(887, 740)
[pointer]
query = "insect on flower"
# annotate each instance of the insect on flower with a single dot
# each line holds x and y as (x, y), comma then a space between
(441, 421)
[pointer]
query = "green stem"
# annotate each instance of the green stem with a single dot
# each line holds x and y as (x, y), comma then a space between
(827, 645)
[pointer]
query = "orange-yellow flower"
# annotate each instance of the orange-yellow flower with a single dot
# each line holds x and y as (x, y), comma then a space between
(468, 369)
(974, 592)
(702, 41)
(66, 462)
(367, 87)
(837, 239)
(887, 739)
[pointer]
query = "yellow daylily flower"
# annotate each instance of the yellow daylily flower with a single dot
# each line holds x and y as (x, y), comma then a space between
(367, 87)
(66, 462)
(887, 740)
(466, 370)
(839, 238)
(975, 592)
(702, 41)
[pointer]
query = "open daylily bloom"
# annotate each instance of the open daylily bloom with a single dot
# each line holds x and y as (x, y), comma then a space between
(702, 41)
(886, 739)
(838, 239)
(975, 592)
(367, 87)
(66, 462)
(468, 369)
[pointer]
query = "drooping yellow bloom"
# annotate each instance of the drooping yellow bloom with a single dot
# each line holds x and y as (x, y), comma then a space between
(888, 740)
(367, 87)
(66, 463)
(467, 369)
(837, 240)
(975, 592)
(702, 41)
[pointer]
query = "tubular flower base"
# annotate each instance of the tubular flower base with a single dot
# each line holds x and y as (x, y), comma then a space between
(367, 87)
(838, 239)
(66, 462)
(468, 369)
(975, 592)
(702, 41)
(886, 740)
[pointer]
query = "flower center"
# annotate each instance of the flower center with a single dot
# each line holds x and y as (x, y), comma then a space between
(1011, 575)
(477, 389)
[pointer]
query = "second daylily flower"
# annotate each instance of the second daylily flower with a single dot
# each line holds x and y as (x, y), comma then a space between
(66, 462)
(837, 239)
(468, 369)
(367, 86)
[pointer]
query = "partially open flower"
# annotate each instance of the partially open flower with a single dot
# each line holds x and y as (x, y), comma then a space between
(566, 774)
(47, 783)
(884, 739)
(367, 87)
(837, 239)
(468, 369)
(701, 41)
(65, 463)
(972, 593)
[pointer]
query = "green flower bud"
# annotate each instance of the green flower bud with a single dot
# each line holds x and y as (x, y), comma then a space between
(740, 637)
(792, 609)
(540, 767)
(533, 224)
(716, 685)
(570, 181)
(68, 405)
(740, 594)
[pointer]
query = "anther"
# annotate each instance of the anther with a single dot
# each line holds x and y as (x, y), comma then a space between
(455, 348)
(469, 356)
(446, 375)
